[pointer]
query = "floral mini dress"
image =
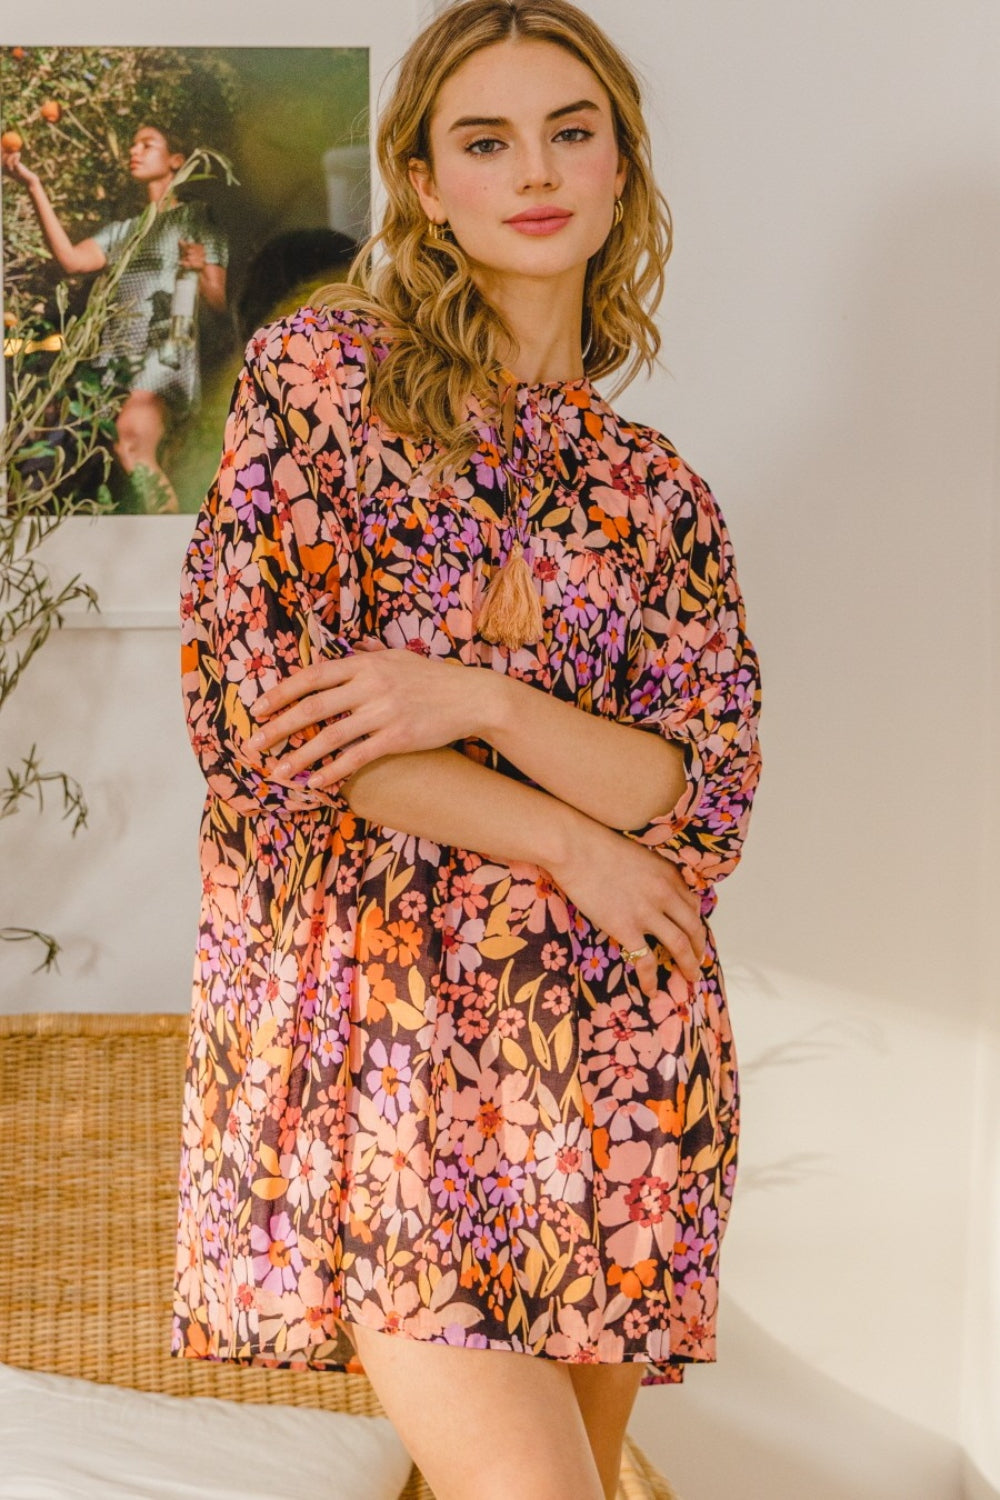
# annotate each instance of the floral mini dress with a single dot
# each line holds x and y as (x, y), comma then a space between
(423, 1092)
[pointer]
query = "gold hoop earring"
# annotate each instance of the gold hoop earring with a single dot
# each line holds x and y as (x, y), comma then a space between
(438, 232)
(619, 212)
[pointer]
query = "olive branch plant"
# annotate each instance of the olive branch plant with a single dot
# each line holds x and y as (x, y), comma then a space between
(60, 426)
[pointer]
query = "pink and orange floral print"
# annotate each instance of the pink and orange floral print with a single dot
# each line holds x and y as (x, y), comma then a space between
(423, 1093)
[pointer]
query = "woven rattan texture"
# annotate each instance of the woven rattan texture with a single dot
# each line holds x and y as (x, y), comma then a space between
(90, 1109)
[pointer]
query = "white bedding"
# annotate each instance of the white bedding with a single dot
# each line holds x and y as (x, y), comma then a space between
(68, 1439)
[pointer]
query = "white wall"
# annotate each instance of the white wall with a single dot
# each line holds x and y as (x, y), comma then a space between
(831, 338)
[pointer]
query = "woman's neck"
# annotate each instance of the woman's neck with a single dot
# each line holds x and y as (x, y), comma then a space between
(545, 317)
(159, 191)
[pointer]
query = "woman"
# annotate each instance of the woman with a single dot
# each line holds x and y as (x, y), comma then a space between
(466, 671)
(164, 374)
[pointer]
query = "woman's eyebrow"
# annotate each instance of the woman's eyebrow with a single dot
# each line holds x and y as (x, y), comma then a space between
(495, 121)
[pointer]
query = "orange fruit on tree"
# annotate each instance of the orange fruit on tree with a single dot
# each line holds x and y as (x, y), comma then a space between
(9, 319)
(51, 110)
(11, 141)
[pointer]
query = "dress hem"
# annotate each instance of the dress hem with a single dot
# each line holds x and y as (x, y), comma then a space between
(660, 1372)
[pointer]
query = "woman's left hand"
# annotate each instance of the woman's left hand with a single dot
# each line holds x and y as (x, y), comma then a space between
(191, 255)
(380, 701)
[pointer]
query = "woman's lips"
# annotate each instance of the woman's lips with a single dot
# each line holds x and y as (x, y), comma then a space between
(540, 224)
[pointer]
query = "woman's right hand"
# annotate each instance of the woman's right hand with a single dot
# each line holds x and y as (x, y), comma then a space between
(14, 167)
(635, 896)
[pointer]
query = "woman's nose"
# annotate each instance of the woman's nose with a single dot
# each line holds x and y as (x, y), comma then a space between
(537, 169)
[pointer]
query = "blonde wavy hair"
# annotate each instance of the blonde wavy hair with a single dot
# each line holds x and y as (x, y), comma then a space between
(445, 339)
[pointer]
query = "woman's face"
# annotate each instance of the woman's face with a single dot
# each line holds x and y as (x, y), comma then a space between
(150, 158)
(523, 127)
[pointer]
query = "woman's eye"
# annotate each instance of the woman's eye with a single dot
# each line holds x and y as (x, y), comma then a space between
(488, 145)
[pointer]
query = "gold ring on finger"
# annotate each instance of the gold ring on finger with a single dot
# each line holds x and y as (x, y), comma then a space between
(634, 953)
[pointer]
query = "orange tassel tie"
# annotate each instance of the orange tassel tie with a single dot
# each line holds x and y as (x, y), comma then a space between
(511, 614)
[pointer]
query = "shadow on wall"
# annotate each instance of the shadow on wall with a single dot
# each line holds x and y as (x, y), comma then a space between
(763, 1425)
(840, 1349)
(881, 502)
(974, 1485)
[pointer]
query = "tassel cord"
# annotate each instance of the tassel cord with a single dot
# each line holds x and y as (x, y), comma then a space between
(511, 611)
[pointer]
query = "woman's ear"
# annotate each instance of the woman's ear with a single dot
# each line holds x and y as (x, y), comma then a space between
(422, 182)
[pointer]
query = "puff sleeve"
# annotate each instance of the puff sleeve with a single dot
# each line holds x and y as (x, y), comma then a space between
(696, 681)
(269, 581)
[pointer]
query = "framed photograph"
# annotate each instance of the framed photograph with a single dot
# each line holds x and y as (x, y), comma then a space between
(277, 207)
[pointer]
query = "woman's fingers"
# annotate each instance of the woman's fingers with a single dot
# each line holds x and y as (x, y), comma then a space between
(682, 906)
(12, 167)
(317, 708)
(356, 756)
(638, 896)
(646, 973)
(645, 967)
(302, 682)
(661, 932)
(686, 951)
(311, 695)
(673, 923)
(359, 753)
(679, 885)
(686, 918)
(426, 703)
(328, 740)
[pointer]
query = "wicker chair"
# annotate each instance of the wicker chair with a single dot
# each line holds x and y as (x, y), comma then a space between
(90, 1121)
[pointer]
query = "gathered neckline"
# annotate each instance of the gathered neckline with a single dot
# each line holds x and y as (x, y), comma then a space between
(578, 383)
